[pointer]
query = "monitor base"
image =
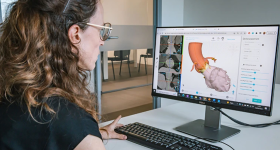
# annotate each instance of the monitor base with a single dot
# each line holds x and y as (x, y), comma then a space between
(198, 129)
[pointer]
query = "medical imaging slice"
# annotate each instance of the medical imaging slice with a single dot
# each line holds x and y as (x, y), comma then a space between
(169, 81)
(163, 44)
(171, 44)
(170, 63)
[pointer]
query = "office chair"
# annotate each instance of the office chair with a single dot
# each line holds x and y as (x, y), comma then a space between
(120, 56)
(149, 54)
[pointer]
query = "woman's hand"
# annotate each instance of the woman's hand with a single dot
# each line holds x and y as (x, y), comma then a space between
(108, 132)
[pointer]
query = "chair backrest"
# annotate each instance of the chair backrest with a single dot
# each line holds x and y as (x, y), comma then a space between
(123, 54)
(126, 53)
(150, 51)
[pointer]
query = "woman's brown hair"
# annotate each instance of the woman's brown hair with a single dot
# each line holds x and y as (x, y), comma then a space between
(36, 56)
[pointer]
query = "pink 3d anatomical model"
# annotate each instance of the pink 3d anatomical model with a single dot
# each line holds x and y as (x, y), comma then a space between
(215, 78)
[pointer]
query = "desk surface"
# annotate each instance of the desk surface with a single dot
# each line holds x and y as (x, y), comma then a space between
(172, 116)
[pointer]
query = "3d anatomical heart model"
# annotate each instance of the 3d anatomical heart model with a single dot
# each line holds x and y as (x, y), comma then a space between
(215, 78)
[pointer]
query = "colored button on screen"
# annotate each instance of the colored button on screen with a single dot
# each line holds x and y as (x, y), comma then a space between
(257, 100)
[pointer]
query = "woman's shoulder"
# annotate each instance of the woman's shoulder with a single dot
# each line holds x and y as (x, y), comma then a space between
(63, 130)
(71, 123)
(67, 111)
(62, 106)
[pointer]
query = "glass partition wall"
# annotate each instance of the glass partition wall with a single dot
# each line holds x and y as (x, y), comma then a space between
(132, 67)
(125, 69)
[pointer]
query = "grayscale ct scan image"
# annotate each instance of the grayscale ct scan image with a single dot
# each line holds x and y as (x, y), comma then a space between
(169, 81)
(171, 44)
(170, 63)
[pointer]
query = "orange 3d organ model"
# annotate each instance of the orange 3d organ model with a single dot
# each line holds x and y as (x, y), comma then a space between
(215, 78)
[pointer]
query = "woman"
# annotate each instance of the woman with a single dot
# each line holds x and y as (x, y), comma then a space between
(46, 48)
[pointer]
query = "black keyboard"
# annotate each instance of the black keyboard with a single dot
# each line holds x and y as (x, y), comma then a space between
(160, 139)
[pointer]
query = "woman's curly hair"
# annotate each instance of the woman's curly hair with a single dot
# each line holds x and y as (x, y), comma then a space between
(36, 56)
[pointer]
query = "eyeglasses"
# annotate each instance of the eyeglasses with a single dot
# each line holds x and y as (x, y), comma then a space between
(105, 30)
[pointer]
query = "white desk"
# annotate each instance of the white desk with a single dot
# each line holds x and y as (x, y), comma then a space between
(172, 116)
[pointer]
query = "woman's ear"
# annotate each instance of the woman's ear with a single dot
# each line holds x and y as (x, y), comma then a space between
(73, 34)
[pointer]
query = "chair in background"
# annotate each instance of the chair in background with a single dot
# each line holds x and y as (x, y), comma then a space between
(120, 56)
(149, 54)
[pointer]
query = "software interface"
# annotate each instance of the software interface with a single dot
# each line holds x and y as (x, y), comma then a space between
(229, 65)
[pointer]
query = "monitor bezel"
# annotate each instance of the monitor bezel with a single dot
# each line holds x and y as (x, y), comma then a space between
(219, 105)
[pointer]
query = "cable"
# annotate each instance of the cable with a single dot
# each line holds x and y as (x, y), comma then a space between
(250, 125)
(240, 123)
(212, 140)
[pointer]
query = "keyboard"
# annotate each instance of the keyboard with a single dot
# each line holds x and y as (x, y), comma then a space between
(155, 138)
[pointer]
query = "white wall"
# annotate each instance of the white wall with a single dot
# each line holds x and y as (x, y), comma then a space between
(235, 12)
(129, 12)
(172, 12)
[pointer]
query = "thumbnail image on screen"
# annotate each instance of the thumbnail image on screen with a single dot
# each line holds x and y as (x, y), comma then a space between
(169, 81)
(170, 63)
(171, 44)
(169, 72)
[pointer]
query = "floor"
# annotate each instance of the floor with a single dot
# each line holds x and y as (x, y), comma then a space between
(130, 101)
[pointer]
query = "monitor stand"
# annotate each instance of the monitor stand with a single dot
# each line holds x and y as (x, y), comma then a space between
(210, 128)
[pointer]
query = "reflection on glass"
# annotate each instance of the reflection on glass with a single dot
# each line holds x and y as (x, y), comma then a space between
(128, 68)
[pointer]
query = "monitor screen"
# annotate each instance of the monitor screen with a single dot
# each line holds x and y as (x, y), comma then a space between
(228, 67)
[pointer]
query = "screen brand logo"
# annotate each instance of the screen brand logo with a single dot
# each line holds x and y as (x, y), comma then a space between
(203, 103)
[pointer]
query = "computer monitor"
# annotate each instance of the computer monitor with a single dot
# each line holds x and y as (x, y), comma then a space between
(229, 67)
